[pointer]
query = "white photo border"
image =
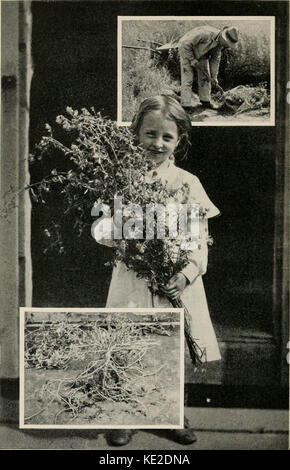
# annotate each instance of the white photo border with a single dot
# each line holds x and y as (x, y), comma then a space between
(139, 311)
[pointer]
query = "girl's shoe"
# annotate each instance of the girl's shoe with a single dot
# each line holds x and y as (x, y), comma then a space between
(184, 436)
(119, 437)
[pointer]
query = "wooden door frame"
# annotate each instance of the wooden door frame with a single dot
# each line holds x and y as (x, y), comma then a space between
(15, 252)
(281, 235)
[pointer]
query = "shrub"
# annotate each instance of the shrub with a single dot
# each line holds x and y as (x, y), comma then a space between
(249, 64)
(142, 77)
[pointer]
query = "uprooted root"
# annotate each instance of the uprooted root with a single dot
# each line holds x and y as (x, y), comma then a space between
(244, 98)
(116, 374)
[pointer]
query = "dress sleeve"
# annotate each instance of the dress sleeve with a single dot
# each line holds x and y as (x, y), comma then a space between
(102, 232)
(198, 195)
(198, 257)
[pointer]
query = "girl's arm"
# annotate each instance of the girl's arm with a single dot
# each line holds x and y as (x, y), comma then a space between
(196, 267)
(198, 258)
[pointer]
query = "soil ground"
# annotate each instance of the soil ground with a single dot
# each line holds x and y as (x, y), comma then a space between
(199, 114)
(161, 393)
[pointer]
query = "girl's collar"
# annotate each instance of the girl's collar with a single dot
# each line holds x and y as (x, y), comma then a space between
(165, 166)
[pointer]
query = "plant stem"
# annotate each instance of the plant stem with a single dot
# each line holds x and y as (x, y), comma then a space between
(198, 356)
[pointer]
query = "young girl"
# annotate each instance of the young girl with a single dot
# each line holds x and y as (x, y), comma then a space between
(160, 126)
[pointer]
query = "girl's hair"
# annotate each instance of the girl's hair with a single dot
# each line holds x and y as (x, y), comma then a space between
(171, 110)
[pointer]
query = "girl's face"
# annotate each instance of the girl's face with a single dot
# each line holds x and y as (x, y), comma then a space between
(159, 136)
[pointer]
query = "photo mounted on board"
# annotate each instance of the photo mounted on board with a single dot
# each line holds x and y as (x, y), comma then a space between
(101, 368)
(221, 69)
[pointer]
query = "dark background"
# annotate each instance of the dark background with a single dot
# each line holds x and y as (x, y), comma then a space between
(74, 47)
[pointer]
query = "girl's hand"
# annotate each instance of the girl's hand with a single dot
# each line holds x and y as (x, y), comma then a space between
(175, 286)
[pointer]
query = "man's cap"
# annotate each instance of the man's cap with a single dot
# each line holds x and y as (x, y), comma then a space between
(231, 36)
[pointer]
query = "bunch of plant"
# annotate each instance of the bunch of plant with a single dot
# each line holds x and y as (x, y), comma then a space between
(53, 345)
(105, 162)
(245, 98)
(116, 373)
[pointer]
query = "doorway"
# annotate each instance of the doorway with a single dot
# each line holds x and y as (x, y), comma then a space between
(75, 64)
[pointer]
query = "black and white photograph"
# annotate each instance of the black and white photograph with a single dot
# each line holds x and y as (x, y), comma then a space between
(102, 369)
(221, 69)
(144, 288)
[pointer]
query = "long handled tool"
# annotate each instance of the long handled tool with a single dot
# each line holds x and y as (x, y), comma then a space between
(207, 76)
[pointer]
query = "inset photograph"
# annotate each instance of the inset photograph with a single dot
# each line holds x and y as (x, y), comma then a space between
(101, 368)
(221, 69)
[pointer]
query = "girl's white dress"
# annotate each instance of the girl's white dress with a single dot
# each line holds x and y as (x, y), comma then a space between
(126, 290)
